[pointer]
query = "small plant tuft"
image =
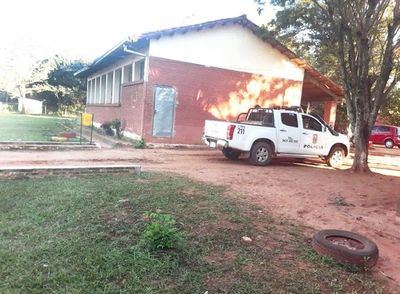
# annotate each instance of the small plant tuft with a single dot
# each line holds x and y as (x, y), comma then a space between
(139, 144)
(162, 233)
(116, 124)
(107, 128)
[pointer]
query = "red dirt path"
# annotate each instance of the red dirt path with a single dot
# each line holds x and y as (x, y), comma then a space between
(308, 192)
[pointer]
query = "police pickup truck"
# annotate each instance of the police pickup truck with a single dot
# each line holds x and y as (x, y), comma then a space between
(264, 133)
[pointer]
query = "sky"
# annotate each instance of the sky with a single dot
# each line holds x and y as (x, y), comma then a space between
(31, 30)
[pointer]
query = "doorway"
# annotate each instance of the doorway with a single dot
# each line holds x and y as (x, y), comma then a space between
(164, 111)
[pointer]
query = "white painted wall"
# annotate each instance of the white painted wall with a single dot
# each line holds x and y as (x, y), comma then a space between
(30, 106)
(230, 47)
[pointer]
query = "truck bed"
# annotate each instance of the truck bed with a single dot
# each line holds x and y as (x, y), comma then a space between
(216, 129)
(215, 134)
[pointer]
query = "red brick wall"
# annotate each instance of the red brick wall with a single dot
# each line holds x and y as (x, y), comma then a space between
(208, 93)
(130, 110)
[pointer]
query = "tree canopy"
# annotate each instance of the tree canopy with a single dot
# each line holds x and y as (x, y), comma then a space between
(391, 111)
(353, 41)
(53, 81)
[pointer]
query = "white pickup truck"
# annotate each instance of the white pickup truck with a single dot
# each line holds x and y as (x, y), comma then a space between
(263, 133)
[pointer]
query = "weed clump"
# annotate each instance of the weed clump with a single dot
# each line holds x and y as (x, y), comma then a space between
(162, 233)
(113, 128)
(139, 144)
(116, 124)
(107, 128)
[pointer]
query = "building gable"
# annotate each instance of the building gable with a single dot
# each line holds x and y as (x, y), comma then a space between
(231, 46)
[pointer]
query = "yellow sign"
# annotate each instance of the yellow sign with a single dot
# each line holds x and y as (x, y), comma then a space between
(87, 119)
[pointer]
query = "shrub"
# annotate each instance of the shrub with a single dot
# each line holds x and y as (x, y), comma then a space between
(161, 233)
(139, 144)
(107, 128)
(117, 126)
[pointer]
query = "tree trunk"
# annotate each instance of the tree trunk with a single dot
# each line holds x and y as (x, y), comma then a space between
(361, 136)
(360, 163)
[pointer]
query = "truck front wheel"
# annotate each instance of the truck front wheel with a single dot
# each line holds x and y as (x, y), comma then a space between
(261, 154)
(336, 157)
(230, 153)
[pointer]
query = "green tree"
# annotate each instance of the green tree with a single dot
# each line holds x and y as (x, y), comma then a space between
(5, 96)
(391, 111)
(53, 81)
(360, 36)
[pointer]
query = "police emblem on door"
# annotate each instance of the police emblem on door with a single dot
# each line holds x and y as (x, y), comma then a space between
(314, 139)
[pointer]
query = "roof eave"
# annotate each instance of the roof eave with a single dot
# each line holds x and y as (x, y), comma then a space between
(84, 72)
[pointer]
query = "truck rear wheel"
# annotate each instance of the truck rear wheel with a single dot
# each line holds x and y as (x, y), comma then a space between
(230, 153)
(336, 157)
(261, 154)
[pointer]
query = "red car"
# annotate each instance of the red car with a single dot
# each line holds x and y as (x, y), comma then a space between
(385, 135)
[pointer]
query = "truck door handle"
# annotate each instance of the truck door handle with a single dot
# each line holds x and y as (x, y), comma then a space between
(283, 130)
(304, 133)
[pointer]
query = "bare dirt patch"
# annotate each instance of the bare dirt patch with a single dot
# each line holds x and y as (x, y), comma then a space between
(307, 191)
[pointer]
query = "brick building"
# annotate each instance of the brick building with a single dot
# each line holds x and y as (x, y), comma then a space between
(163, 85)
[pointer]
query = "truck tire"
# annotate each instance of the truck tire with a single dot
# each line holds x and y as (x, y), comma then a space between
(261, 154)
(389, 144)
(336, 157)
(230, 153)
(346, 247)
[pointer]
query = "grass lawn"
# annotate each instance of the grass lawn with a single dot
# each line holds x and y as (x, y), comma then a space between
(20, 127)
(85, 235)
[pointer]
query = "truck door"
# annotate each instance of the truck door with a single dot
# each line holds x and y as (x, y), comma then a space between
(314, 138)
(288, 133)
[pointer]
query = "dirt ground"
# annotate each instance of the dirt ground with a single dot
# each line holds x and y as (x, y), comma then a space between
(306, 191)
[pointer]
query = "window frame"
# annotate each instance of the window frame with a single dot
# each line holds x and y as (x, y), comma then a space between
(311, 118)
(88, 91)
(95, 97)
(109, 87)
(103, 88)
(97, 90)
(117, 97)
(290, 113)
(127, 66)
(384, 129)
(143, 68)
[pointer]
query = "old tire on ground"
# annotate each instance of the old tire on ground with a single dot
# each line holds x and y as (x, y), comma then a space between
(335, 157)
(389, 144)
(230, 153)
(261, 154)
(346, 247)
